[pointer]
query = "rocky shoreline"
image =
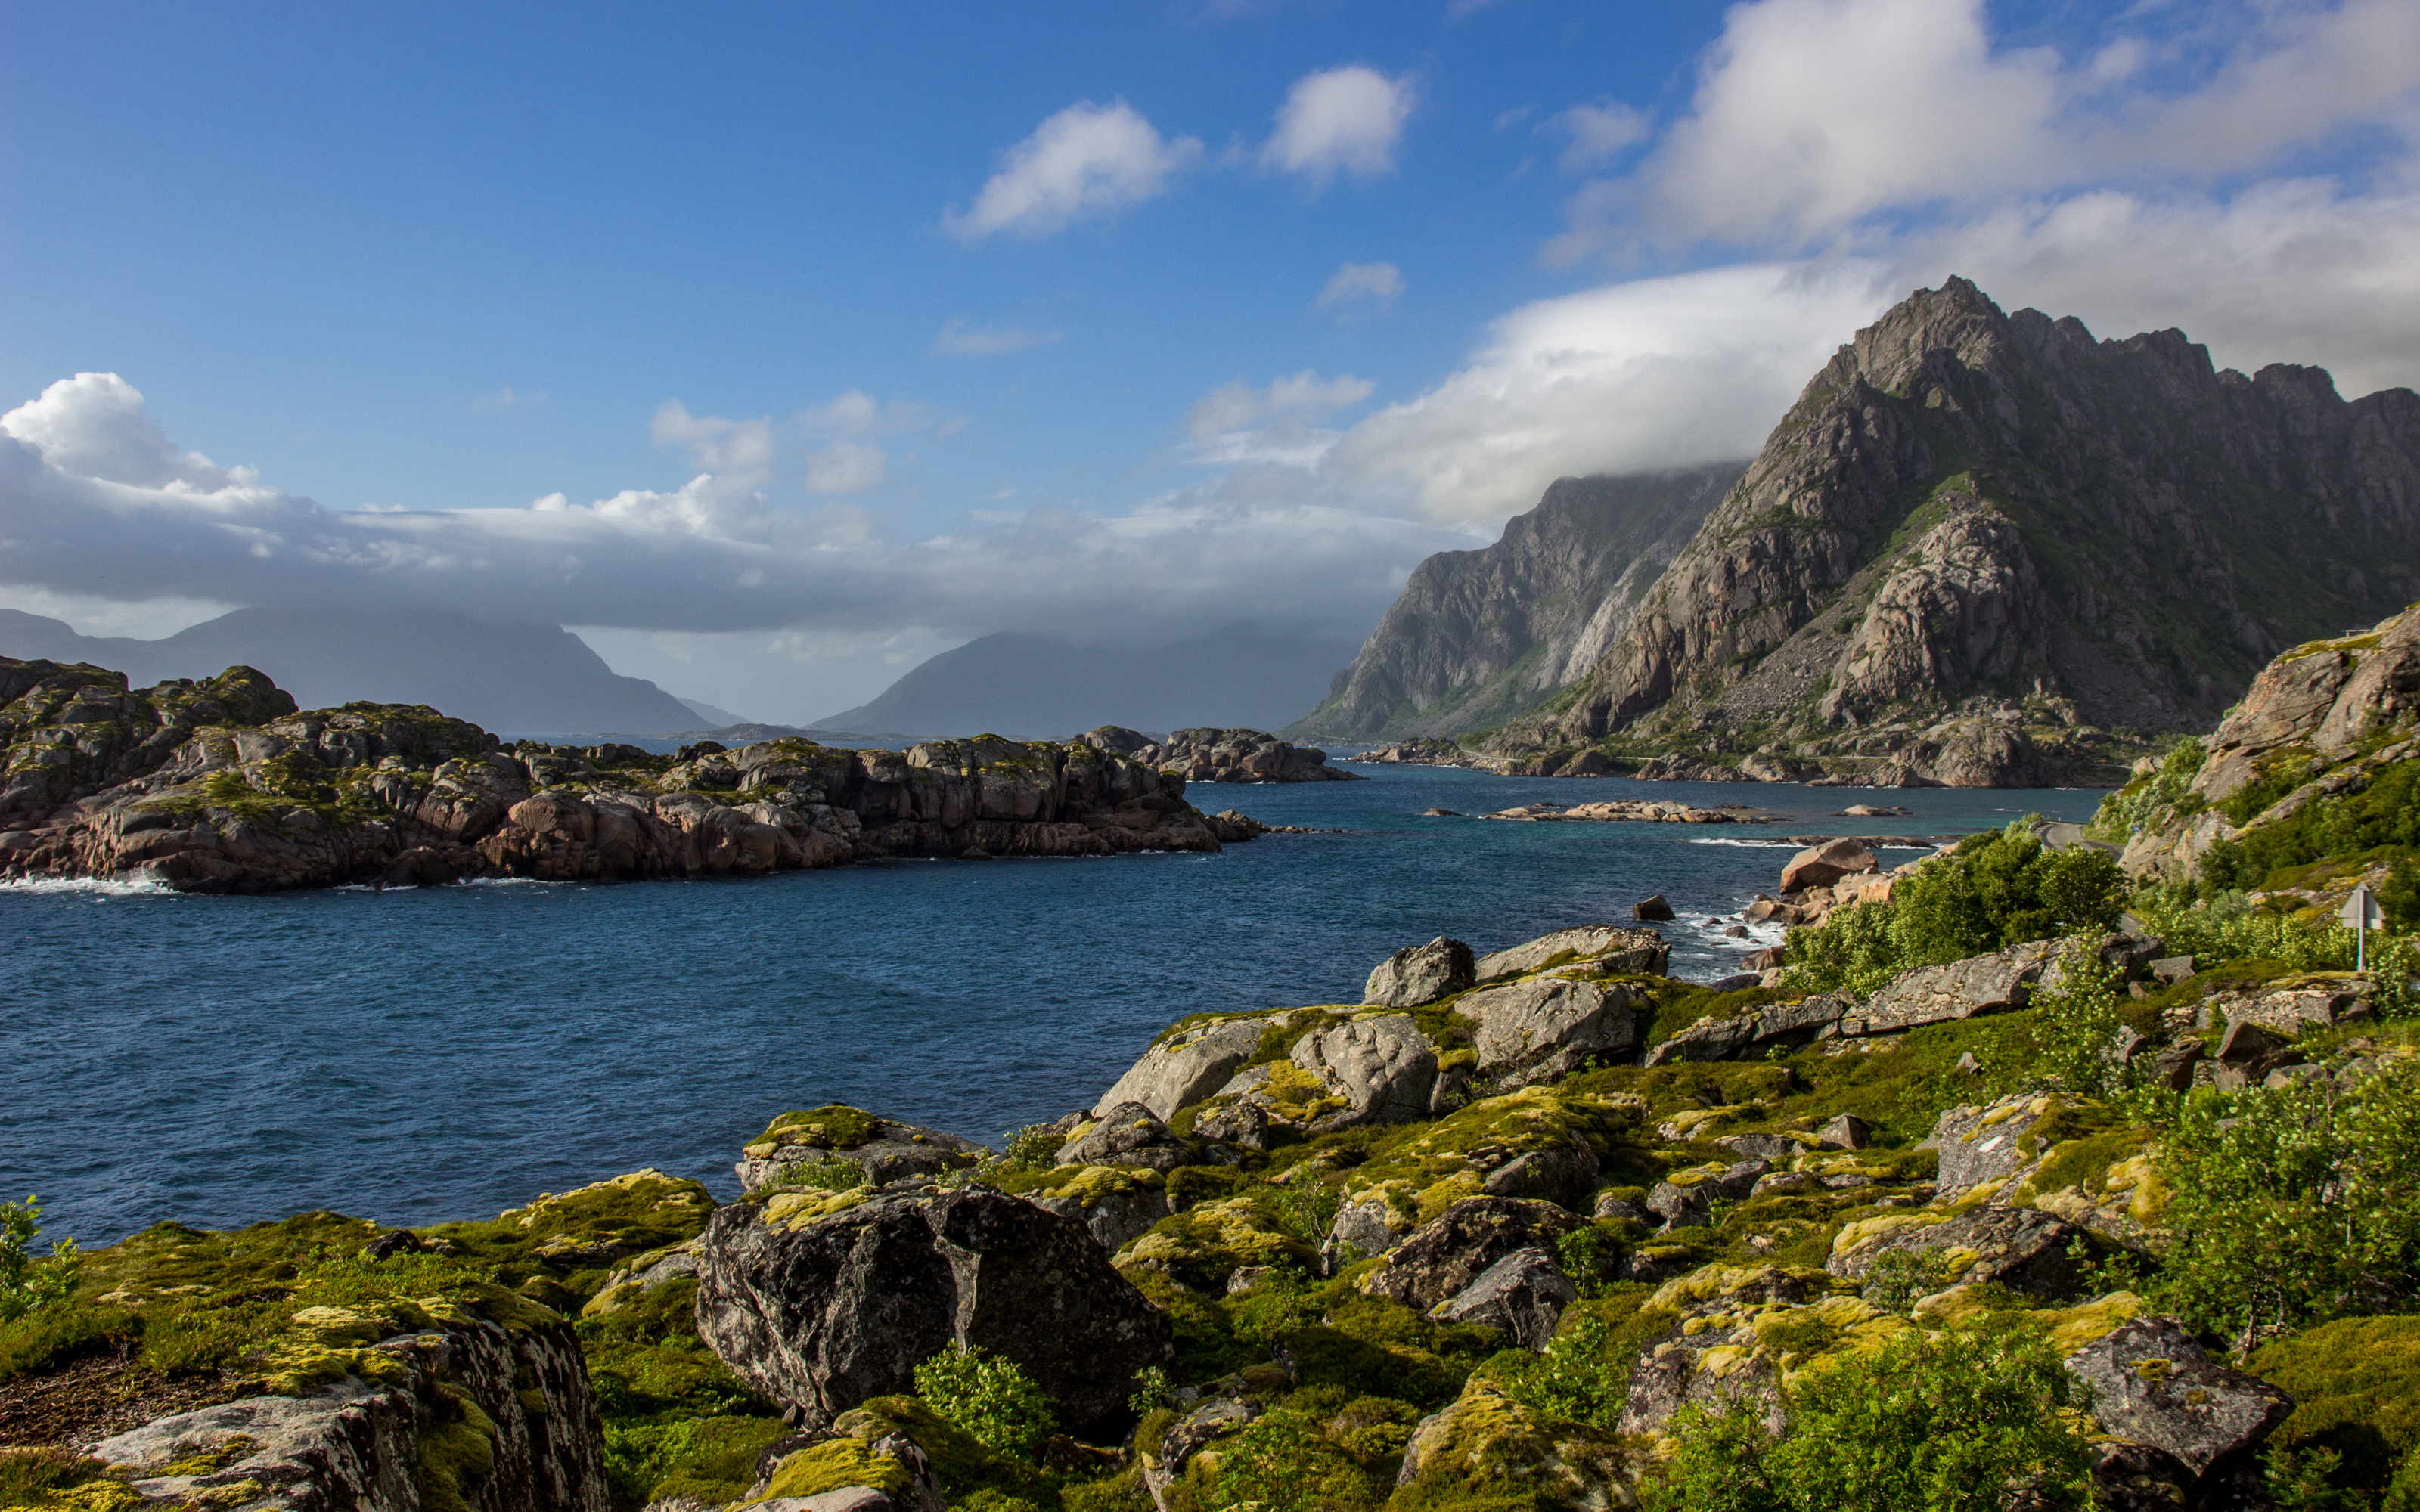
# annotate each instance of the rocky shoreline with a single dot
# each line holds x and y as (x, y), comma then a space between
(224, 786)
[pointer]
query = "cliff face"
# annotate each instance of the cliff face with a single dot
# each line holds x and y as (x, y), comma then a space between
(1480, 637)
(223, 786)
(1979, 538)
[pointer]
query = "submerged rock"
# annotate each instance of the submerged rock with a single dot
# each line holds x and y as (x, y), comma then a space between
(823, 1309)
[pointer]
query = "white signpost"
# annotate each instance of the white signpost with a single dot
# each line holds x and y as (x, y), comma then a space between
(2361, 915)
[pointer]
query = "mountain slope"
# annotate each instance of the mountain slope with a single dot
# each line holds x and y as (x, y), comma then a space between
(1036, 685)
(1979, 535)
(518, 678)
(1480, 637)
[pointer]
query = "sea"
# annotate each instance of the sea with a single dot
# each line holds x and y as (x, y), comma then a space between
(419, 1055)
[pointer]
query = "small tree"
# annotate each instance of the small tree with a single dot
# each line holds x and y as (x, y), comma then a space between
(1949, 1424)
(988, 1396)
(28, 1281)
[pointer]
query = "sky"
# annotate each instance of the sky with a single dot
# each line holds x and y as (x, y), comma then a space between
(777, 347)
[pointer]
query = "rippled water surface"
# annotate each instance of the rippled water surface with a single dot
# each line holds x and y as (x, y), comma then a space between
(421, 1055)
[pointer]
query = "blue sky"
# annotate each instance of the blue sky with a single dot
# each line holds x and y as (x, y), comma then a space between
(832, 336)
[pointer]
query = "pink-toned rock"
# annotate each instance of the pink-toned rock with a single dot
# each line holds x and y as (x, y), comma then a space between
(1820, 865)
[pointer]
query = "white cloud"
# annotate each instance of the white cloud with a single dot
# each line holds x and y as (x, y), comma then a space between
(86, 479)
(1655, 372)
(1378, 283)
(847, 466)
(1288, 402)
(740, 447)
(1342, 120)
(1812, 116)
(964, 338)
(504, 399)
(1086, 160)
(1599, 132)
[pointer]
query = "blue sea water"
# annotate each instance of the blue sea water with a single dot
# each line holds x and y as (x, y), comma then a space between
(419, 1055)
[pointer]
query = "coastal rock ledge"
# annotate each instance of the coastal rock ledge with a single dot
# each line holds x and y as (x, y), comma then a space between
(223, 785)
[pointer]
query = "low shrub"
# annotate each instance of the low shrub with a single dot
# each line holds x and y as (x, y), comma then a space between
(988, 1396)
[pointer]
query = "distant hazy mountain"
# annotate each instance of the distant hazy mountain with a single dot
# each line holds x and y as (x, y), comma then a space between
(1037, 685)
(715, 718)
(522, 678)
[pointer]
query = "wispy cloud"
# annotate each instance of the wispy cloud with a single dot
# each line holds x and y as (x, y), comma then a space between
(1380, 284)
(504, 399)
(964, 338)
(1086, 161)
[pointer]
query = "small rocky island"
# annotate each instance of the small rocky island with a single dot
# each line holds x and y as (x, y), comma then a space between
(224, 786)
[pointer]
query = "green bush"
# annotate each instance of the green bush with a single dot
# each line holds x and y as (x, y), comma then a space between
(992, 1399)
(2384, 813)
(2069, 1036)
(1280, 1462)
(2140, 801)
(28, 1281)
(1948, 1423)
(1995, 889)
(2292, 1204)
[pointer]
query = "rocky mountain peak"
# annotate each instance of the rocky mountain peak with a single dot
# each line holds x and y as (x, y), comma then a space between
(1988, 548)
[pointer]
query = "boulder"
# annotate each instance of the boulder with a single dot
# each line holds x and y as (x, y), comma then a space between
(1363, 1226)
(1485, 1443)
(1563, 1173)
(1544, 1029)
(1115, 1203)
(1419, 974)
(885, 1149)
(2019, 1248)
(821, 1309)
(2151, 1385)
(1651, 910)
(1126, 1134)
(1960, 990)
(1164, 1461)
(494, 1395)
(1185, 1067)
(1521, 1296)
(1713, 1354)
(1983, 1144)
(1846, 1131)
(1444, 1256)
(1767, 1024)
(1686, 1200)
(1238, 1122)
(1384, 1068)
(1820, 865)
(1607, 947)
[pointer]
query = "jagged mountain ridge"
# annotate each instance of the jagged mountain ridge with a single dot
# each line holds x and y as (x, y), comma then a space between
(1480, 637)
(1976, 534)
(518, 677)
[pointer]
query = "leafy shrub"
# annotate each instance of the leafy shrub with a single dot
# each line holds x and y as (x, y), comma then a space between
(831, 1173)
(1306, 1207)
(1280, 1462)
(1996, 888)
(1900, 1278)
(2139, 802)
(1031, 1148)
(1948, 1423)
(28, 1281)
(2386, 812)
(2291, 1204)
(990, 1397)
(2069, 1036)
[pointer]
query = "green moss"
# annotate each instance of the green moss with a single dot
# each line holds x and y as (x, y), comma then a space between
(833, 1126)
(965, 1465)
(832, 1464)
(2356, 1389)
(708, 1460)
(1206, 1244)
(455, 1454)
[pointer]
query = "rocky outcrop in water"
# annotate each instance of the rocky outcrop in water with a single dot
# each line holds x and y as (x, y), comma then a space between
(1979, 542)
(1206, 755)
(224, 786)
(1480, 637)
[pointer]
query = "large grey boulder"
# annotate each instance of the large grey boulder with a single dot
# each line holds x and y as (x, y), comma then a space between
(1689, 1202)
(1444, 1256)
(1563, 1173)
(1521, 1296)
(1185, 1067)
(1961, 990)
(821, 1311)
(1384, 1068)
(1126, 1134)
(1606, 948)
(1983, 1144)
(1112, 1212)
(508, 1397)
(2151, 1385)
(1544, 1029)
(2020, 1248)
(1419, 974)
(1363, 1226)
(1766, 1025)
(1674, 1371)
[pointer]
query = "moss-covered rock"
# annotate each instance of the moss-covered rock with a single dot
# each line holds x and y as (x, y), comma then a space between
(1488, 1450)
